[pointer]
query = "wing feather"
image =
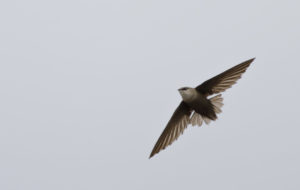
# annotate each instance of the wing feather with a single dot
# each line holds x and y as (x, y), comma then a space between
(225, 80)
(174, 128)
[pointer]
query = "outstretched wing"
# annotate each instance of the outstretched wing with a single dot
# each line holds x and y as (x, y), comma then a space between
(175, 127)
(224, 80)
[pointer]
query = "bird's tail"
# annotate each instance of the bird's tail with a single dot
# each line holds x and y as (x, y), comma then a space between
(217, 102)
(197, 119)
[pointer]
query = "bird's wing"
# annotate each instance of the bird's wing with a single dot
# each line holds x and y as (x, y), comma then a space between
(224, 80)
(175, 127)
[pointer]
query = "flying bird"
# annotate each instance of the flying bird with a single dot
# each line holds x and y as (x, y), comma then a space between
(197, 107)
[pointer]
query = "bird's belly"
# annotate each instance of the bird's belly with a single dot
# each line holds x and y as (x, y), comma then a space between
(201, 105)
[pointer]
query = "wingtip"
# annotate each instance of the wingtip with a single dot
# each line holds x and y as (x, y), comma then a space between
(251, 60)
(151, 155)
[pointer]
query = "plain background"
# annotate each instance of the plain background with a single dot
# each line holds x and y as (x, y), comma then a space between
(88, 86)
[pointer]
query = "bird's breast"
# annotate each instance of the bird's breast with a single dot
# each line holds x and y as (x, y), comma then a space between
(198, 102)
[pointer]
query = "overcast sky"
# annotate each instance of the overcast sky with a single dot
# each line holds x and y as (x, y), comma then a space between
(88, 86)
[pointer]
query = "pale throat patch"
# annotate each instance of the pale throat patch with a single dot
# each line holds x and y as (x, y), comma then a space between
(189, 94)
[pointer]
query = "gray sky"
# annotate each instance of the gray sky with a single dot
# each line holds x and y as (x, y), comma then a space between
(88, 86)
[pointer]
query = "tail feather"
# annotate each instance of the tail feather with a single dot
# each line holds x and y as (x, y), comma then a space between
(198, 119)
(217, 102)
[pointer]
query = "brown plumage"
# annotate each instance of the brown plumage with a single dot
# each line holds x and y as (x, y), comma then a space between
(195, 101)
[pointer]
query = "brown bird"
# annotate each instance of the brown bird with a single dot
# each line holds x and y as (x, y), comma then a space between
(196, 107)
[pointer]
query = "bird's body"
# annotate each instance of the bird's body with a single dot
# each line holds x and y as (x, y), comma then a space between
(196, 105)
(197, 102)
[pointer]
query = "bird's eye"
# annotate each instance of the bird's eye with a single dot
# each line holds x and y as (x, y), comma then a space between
(183, 88)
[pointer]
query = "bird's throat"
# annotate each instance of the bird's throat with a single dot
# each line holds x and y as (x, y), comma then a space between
(189, 95)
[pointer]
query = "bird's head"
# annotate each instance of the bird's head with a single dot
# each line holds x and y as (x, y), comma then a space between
(187, 93)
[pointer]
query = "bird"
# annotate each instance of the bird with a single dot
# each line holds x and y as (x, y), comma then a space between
(197, 105)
